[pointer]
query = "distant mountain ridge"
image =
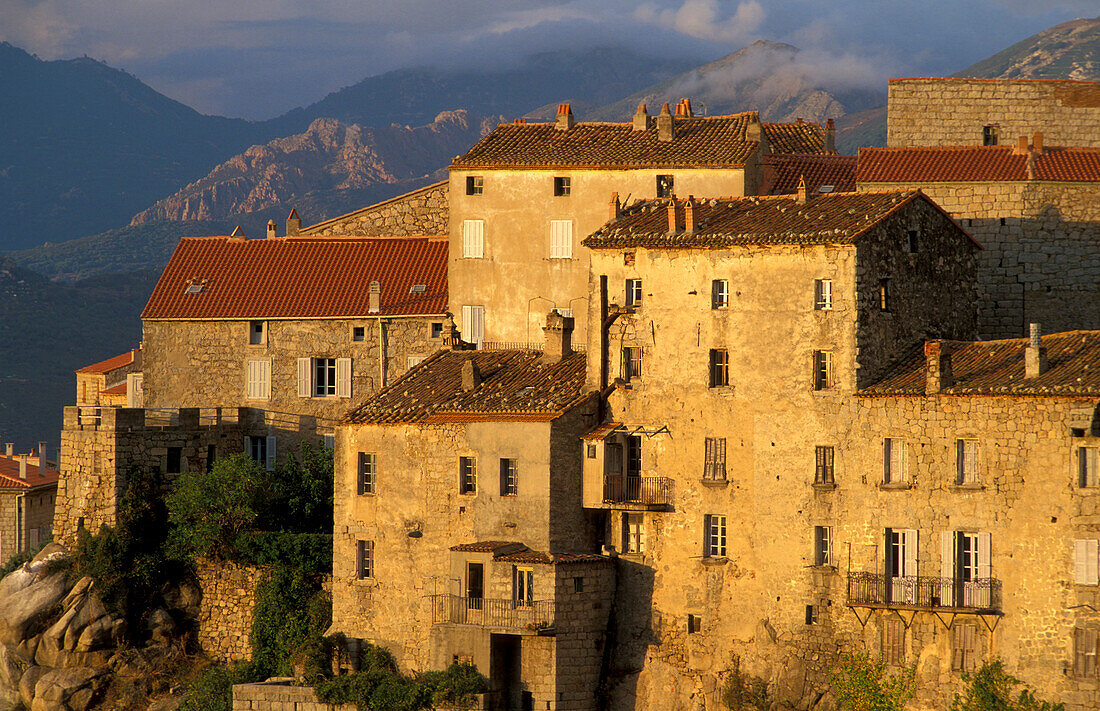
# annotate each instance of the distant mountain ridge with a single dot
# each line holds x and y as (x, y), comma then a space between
(1070, 50)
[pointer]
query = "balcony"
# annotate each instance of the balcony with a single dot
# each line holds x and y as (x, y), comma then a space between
(637, 491)
(536, 617)
(982, 596)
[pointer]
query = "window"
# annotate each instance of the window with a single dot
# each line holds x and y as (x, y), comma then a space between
(964, 647)
(719, 367)
(174, 463)
(561, 239)
(523, 583)
(261, 449)
(719, 294)
(324, 377)
(664, 186)
(823, 471)
(257, 380)
(893, 461)
(633, 292)
(467, 475)
(475, 585)
(823, 294)
(507, 477)
(965, 567)
(714, 459)
(358, 333)
(967, 459)
(989, 134)
(884, 295)
(590, 451)
(823, 370)
(901, 565)
(634, 455)
(914, 240)
(714, 536)
(473, 324)
(475, 185)
(1086, 556)
(437, 330)
(328, 441)
(633, 533)
(695, 624)
(364, 559)
(578, 584)
(1084, 652)
(893, 641)
(561, 186)
(413, 361)
(473, 239)
(368, 471)
(1088, 466)
(256, 333)
(823, 551)
(811, 615)
(632, 363)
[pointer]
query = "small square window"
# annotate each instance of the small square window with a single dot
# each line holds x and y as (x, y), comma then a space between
(719, 294)
(437, 330)
(990, 134)
(578, 585)
(664, 186)
(823, 294)
(633, 292)
(256, 332)
(811, 615)
(475, 185)
(561, 186)
(467, 475)
(695, 624)
(719, 367)
(358, 333)
(590, 451)
(174, 464)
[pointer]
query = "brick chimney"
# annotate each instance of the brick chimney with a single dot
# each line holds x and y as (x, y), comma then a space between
(666, 130)
(374, 297)
(614, 207)
(293, 224)
(471, 376)
(1037, 143)
(830, 136)
(565, 117)
(1035, 355)
(689, 215)
(803, 194)
(271, 229)
(672, 216)
(559, 337)
(641, 118)
(937, 368)
(1020, 149)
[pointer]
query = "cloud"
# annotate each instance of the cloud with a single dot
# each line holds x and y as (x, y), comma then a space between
(701, 19)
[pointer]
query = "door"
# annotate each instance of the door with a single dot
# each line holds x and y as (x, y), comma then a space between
(475, 585)
(969, 570)
(505, 680)
(901, 566)
(613, 478)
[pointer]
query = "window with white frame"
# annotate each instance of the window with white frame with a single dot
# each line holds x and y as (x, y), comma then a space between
(561, 239)
(262, 450)
(901, 565)
(324, 377)
(714, 536)
(475, 185)
(719, 367)
(1088, 467)
(473, 324)
(632, 363)
(823, 546)
(967, 461)
(719, 294)
(1086, 558)
(258, 379)
(823, 370)
(508, 478)
(633, 533)
(364, 559)
(562, 186)
(467, 475)
(714, 459)
(523, 586)
(894, 461)
(473, 239)
(965, 567)
(633, 292)
(823, 294)
(368, 473)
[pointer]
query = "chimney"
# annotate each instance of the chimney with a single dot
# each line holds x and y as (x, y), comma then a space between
(374, 297)
(9, 449)
(559, 337)
(271, 229)
(683, 109)
(689, 215)
(23, 467)
(1030, 165)
(41, 456)
(641, 118)
(471, 376)
(830, 136)
(754, 131)
(293, 224)
(614, 207)
(1020, 149)
(1037, 143)
(666, 131)
(802, 195)
(672, 216)
(565, 117)
(937, 368)
(1035, 355)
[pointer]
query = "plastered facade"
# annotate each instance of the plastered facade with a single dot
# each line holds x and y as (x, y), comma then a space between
(420, 212)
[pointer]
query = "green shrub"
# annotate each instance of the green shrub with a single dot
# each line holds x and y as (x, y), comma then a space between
(298, 496)
(311, 553)
(991, 689)
(208, 510)
(212, 690)
(454, 687)
(862, 684)
(291, 612)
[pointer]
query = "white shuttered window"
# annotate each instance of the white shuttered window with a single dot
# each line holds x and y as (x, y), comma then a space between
(473, 238)
(343, 377)
(893, 461)
(561, 239)
(1088, 466)
(305, 377)
(473, 324)
(258, 380)
(1086, 562)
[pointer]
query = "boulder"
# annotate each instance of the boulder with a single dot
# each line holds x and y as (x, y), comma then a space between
(77, 594)
(57, 688)
(28, 682)
(26, 612)
(12, 666)
(161, 627)
(97, 635)
(27, 649)
(184, 598)
(89, 612)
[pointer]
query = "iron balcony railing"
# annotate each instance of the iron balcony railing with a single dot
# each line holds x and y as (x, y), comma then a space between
(511, 614)
(879, 590)
(626, 489)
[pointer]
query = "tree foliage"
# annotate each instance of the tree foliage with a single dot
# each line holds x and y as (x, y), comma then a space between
(863, 684)
(991, 688)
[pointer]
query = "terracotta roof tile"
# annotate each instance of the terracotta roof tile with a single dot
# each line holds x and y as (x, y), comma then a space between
(997, 368)
(119, 389)
(783, 172)
(300, 278)
(710, 141)
(542, 558)
(9, 474)
(834, 218)
(514, 386)
(975, 163)
(488, 546)
(113, 363)
(601, 431)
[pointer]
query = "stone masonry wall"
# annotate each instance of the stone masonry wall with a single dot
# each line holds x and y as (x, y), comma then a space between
(225, 611)
(421, 212)
(953, 112)
(280, 695)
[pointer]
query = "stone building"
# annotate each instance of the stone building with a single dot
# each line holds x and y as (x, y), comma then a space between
(459, 533)
(522, 199)
(419, 212)
(28, 488)
(108, 382)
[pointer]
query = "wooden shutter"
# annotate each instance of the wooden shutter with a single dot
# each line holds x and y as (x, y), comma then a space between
(985, 568)
(270, 463)
(958, 647)
(887, 460)
(827, 293)
(1080, 650)
(561, 239)
(720, 457)
(1086, 561)
(265, 379)
(818, 292)
(709, 458)
(473, 238)
(305, 377)
(910, 552)
(947, 567)
(343, 377)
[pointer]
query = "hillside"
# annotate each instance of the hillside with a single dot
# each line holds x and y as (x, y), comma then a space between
(1070, 50)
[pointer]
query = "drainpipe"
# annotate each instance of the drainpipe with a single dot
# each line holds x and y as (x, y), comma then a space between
(381, 355)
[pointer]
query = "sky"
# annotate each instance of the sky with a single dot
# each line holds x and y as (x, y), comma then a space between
(256, 59)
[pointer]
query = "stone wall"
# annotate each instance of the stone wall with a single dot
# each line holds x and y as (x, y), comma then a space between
(1041, 256)
(953, 112)
(421, 212)
(225, 611)
(280, 695)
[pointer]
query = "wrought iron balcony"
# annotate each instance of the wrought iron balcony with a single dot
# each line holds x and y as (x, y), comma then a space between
(640, 490)
(534, 616)
(924, 593)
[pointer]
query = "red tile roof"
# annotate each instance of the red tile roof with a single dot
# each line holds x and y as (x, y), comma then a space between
(9, 474)
(715, 141)
(113, 363)
(512, 552)
(323, 277)
(997, 368)
(515, 385)
(488, 546)
(833, 218)
(119, 389)
(602, 431)
(975, 163)
(782, 172)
